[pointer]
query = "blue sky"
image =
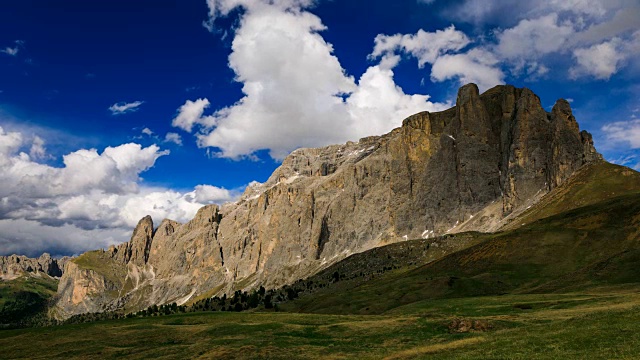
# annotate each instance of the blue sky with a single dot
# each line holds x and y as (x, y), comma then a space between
(111, 110)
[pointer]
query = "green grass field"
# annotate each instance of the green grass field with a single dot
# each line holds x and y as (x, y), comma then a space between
(599, 324)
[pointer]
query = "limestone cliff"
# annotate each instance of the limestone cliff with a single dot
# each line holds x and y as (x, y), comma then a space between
(14, 266)
(471, 167)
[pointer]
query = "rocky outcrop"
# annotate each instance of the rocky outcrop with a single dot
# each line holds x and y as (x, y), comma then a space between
(471, 167)
(82, 289)
(14, 266)
(137, 249)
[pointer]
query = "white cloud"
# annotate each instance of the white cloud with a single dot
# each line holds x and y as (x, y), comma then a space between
(38, 150)
(173, 138)
(442, 49)
(627, 132)
(208, 194)
(296, 93)
(10, 142)
(476, 66)
(124, 107)
(378, 99)
(13, 51)
(147, 131)
(92, 201)
(424, 46)
(594, 8)
(531, 39)
(506, 13)
(219, 8)
(190, 114)
(600, 61)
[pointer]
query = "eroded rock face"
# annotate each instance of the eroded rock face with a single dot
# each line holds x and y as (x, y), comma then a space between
(83, 290)
(137, 249)
(14, 266)
(466, 168)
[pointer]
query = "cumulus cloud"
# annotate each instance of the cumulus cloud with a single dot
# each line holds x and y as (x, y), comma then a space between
(208, 194)
(38, 150)
(531, 39)
(9, 143)
(424, 46)
(92, 201)
(190, 114)
(296, 93)
(378, 99)
(124, 107)
(442, 50)
(477, 66)
(600, 60)
(218, 8)
(147, 131)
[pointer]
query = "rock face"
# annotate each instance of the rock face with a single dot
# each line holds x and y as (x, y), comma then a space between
(471, 167)
(15, 266)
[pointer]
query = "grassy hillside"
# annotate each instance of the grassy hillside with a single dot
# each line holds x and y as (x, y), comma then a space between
(24, 301)
(590, 185)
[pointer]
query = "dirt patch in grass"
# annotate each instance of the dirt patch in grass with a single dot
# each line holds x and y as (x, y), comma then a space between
(469, 325)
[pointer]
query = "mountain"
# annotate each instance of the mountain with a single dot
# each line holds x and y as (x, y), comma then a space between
(475, 167)
(581, 244)
(14, 266)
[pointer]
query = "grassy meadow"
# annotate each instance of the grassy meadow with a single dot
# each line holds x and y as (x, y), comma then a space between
(599, 324)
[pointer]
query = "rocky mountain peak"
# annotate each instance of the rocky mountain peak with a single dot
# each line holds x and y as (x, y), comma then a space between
(137, 249)
(467, 93)
(471, 167)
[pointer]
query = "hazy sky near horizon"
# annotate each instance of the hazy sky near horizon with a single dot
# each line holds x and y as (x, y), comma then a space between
(112, 110)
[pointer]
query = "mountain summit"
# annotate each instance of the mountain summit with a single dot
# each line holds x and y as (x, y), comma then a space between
(473, 167)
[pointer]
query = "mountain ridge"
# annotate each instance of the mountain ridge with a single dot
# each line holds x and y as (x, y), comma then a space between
(465, 168)
(14, 266)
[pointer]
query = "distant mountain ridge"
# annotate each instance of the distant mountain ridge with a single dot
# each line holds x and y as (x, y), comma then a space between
(472, 167)
(14, 266)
